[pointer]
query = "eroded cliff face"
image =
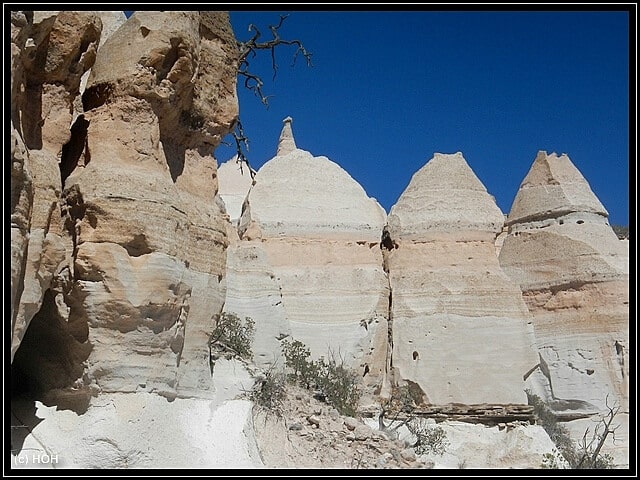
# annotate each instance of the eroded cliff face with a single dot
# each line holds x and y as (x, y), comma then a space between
(454, 311)
(116, 226)
(123, 249)
(574, 275)
(49, 53)
(308, 265)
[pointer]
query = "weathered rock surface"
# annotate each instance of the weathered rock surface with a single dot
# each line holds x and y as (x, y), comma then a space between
(235, 181)
(455, 313)
(49, 53)
(111, 21)
(149, 234)
(573, 272)
(320, 250)
(139, 430)
(118, 235)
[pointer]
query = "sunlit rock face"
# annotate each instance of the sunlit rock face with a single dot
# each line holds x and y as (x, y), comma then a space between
(460, 327)
(573, 272)
(149, 233)
(119, 251)
(315, 234)
(235, 180)
(50, 51)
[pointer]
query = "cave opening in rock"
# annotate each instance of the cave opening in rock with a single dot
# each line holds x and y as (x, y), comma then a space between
(49, 360)
(75, 148)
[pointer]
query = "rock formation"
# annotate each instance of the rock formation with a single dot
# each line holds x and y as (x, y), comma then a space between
(235, 181)
(124, 248)
(118, 237)
(49, 54)
(315, 252)
(149, 235)
(454, 311)
(574, 275)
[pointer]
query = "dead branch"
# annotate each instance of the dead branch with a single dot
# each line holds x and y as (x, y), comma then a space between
(601, 431)
(254, 82)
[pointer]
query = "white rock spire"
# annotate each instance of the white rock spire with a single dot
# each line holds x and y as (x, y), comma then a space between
(286, 144)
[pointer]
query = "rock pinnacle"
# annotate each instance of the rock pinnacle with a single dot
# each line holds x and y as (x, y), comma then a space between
(286, 144)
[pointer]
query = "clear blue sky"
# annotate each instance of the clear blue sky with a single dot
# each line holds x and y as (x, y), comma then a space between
(388, 89)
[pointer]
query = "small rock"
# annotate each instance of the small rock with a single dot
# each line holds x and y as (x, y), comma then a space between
(334, 426)
(408, 454)
(298, 396)
(295, 426)
(351, 423)
(362, 432)
(378, 435)
(314, 420)
(501, 426)
(350, 437)
(381, 462)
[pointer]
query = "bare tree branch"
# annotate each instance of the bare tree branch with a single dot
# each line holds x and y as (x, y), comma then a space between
(254, 82)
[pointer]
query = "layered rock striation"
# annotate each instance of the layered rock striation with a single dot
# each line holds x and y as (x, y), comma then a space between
(127, 239)
(454, 312)
(309, 266)
(574, 275)
(124, 249)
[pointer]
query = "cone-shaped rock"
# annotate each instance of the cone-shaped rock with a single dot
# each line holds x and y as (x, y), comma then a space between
(299, 195)
(459, 324)
(573, 272)
(286, 143)
(445, 198)
(553, 187)
(320, 235)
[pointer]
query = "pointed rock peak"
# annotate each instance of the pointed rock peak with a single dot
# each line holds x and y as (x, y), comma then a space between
(286, 144)
(445, 197)
(553, 186)
(551, 169)
(446, 172)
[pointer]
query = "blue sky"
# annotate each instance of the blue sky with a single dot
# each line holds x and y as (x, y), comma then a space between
(388, 89)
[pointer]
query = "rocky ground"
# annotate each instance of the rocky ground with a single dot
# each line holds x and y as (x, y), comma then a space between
(310, 434)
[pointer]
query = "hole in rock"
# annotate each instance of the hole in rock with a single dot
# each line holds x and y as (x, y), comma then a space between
(72, 150)
(415, 355)
(138, 246)
(49, 360)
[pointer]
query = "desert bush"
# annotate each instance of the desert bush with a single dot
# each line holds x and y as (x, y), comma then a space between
(403, 402)
(429, 438)
(337, 385)
(231, 337)
(269, 391)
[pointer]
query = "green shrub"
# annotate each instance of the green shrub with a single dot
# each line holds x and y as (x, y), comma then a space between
(337, 385)
(231, 337)
(269, 391)
(430, 439)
